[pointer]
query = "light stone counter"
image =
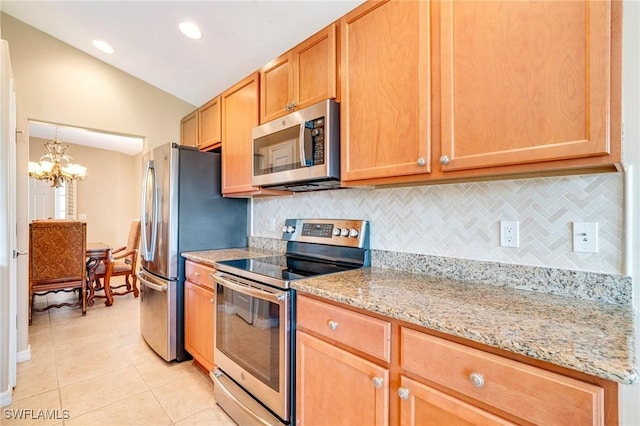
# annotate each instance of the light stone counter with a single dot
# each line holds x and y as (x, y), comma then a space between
(209, 257)
(587, 336)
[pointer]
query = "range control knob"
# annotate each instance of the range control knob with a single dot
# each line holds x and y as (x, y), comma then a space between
(353, 233)
(336, 232)
(344, 232)
(284, 228)
(291, 229)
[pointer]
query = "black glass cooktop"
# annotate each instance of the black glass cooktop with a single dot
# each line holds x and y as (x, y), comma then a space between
(284, 268)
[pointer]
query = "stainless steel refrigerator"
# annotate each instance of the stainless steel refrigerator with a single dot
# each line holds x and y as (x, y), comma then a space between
(182, 209)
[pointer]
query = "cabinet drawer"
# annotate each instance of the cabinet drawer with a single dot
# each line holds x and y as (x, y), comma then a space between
(198, 274)
(533, 394)
(366, 334)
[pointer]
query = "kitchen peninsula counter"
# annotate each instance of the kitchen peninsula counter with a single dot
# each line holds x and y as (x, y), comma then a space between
(591, 337)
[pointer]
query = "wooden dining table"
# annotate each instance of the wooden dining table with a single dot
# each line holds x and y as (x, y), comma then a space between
(97, 253)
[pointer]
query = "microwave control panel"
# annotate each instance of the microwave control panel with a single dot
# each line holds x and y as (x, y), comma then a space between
(316, 129)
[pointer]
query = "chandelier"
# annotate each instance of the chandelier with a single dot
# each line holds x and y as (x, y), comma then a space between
(54, 166)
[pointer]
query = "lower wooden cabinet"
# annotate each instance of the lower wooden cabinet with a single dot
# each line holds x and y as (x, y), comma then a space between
(336, 387)
(421, 404)
(199, 301)
(427, 380)
(529, 393)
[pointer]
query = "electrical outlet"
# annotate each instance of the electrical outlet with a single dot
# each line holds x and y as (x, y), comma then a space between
(509, 233)
(585, 237)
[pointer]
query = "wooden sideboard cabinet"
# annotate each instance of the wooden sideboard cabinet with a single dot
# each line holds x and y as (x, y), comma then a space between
(199, 301)
(301, 77)
(356, 368)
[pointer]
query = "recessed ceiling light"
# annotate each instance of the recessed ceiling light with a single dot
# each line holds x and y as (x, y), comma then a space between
(103, 46)
(191, 30)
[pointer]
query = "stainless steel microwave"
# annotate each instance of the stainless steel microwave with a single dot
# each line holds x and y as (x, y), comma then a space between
(300, 151)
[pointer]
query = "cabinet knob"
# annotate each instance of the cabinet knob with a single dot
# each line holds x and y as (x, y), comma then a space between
(476, 380)
(421, 162)
(332, 325)
(293, 105)
(377, 382)
(212, 301)
(196, 273)
(444, 160)
(403, 393)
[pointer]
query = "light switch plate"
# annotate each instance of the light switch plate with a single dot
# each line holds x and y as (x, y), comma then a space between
(585, 237)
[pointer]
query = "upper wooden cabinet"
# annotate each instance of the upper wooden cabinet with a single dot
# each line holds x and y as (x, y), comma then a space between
(385, 75)
(240, 106)
(524, 82)
(210, 123)
(301, 77)
(201, 128)
(501, 88)
(189, 129)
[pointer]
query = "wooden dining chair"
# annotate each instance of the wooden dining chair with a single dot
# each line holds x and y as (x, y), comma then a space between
(121, 262)
(57, 256)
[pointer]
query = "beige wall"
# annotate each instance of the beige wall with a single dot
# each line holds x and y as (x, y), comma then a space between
(59, 84)
(108, 197)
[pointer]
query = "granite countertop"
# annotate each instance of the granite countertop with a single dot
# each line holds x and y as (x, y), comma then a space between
(591, 337)
(209, 257)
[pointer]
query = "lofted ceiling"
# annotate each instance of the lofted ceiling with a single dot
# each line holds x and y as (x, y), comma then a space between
(238, 37)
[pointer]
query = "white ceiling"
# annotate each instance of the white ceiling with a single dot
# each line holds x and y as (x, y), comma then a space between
(239, 36)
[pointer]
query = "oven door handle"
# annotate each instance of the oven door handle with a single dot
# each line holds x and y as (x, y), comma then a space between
(249, 291)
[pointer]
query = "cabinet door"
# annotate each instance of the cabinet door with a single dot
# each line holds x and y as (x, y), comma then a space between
(210, 121)
(198, 323)
(239, 116)
(423, 405)
(314, 68)
(189, 129)
(276, 88)
(524, 82)
(385, 85)
(335, 387)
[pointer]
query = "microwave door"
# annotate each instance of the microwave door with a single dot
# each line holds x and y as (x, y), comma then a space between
(306, 143)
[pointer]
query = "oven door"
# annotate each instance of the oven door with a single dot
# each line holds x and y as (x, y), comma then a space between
(253, 339)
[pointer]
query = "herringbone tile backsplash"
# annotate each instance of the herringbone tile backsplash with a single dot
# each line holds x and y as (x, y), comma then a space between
(463, 220)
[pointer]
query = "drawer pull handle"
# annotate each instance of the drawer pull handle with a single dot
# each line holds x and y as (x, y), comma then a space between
(332, 325)
(403, 393)
(476, 380)
(377, 382)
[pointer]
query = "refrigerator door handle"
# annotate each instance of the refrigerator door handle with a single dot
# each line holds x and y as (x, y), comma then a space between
(152, 286)
(149, 178)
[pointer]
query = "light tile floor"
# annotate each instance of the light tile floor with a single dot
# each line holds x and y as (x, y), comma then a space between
(97, 370)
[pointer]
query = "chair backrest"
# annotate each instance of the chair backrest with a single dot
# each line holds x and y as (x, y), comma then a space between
(57, 251)
(133, 242)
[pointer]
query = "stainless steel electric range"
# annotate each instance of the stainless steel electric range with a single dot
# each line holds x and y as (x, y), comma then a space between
(255, 314)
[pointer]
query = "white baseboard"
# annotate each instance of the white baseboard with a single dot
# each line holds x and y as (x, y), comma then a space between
(25, 355)
(5, 397)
